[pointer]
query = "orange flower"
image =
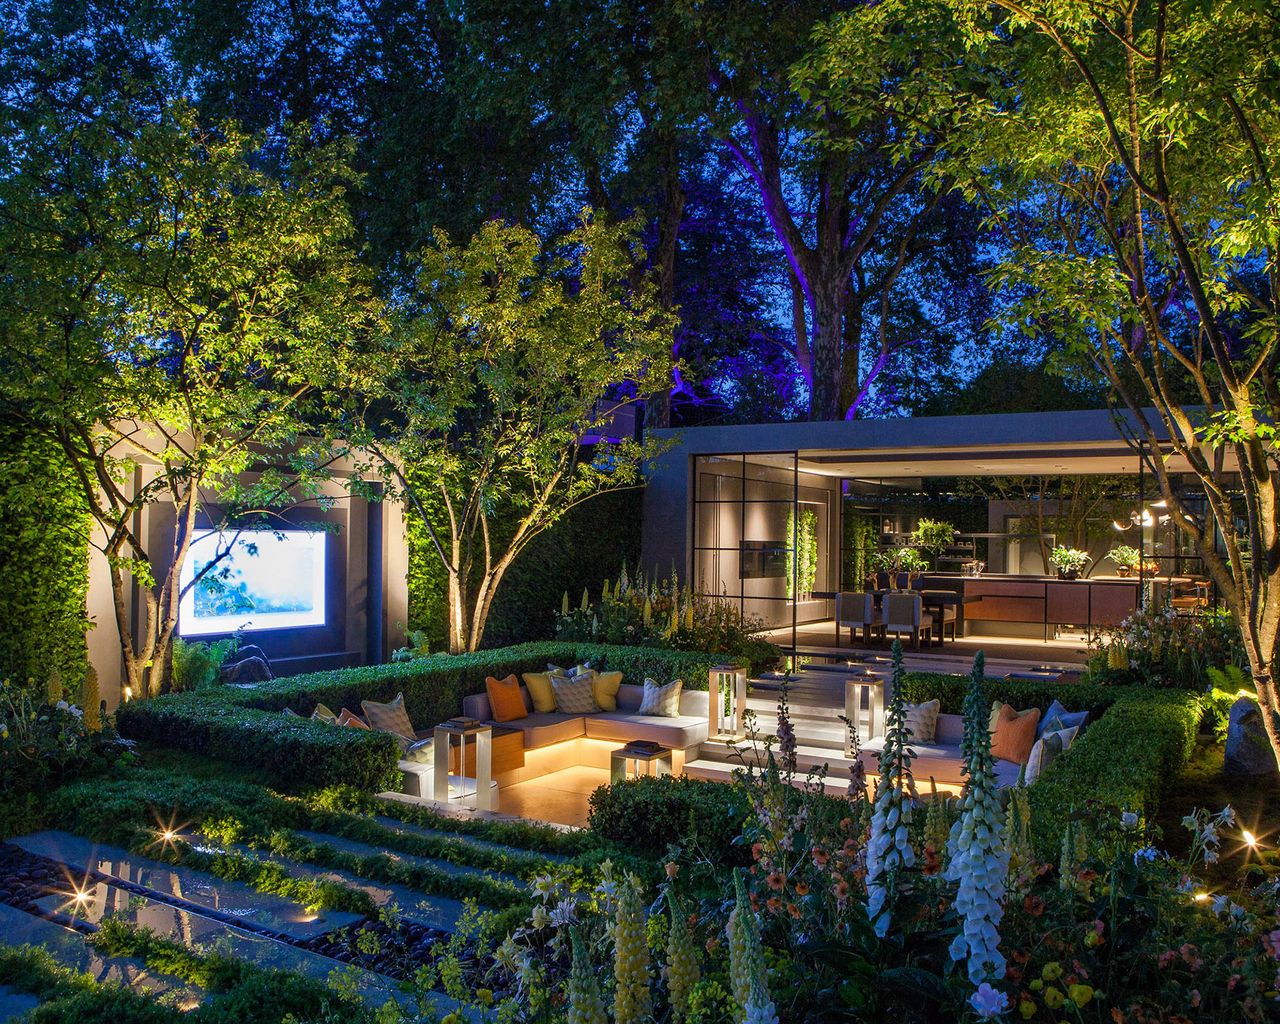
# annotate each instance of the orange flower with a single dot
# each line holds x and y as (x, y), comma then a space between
(802, 888)
(776, 881)
(841, 890)
(793, 910)
(820, 857)
(757, 850)
(673, 869)
(1033, 905)
(774, 904)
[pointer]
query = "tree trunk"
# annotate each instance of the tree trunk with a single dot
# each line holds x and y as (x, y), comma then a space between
(459, 619)
(827, 307)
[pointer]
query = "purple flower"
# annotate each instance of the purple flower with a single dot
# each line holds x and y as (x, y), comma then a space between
(989, 1002)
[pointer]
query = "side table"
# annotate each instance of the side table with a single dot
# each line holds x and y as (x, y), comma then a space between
(619, 762)
(482, 735)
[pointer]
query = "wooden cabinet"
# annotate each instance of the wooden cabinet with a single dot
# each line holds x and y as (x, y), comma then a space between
(1049, 602)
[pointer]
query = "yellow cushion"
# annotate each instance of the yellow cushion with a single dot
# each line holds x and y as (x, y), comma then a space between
(540, 692)
(506, 703)
(605, 687)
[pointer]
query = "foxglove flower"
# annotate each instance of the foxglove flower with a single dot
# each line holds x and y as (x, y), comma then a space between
(889, 848)
(977, 858)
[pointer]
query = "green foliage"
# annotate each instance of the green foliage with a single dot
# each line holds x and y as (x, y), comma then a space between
(1124, 760)
(197, 665)
(592, 540)
(44, 534)
(1068, 560)
(1125, 556)
(861, 538)
(933, 535)
(1018, 693)
(1162, 648)
(635, 610)
(646, 815)
(802, 552)
(246, 726)
(1226, 686)
(502, 356)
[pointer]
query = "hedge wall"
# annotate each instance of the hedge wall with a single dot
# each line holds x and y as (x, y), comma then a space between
(590, 543)
(245, 725)
(44, 531)
(1135, 745)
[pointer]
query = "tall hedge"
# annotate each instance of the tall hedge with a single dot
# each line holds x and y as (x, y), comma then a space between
(44, 564)
(588, 544)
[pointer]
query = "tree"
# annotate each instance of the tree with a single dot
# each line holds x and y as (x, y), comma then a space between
(501, 374)
(1132, 160)
(841, 165)
(167, 312)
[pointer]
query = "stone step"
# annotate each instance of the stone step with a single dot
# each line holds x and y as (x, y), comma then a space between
(448, 867)
(69, 948)
(411, 828)
(438, 912)
(203, 893)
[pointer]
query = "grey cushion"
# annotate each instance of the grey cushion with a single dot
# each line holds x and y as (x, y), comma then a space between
(679, 732)
(542, 730)
(420, 751)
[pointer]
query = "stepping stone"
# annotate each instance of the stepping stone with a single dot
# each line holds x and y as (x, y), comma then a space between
(437, 912)
(365, 850)
(409, 828)
(230, 901)
(69, 948)
(201, 934)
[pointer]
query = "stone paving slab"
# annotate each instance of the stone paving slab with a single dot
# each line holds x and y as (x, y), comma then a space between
(433, 911)
(69, 948)
(365, 850)
(233, 900)
(411, 828)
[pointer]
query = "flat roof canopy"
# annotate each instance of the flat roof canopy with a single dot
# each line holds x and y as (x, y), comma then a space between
(1013, 444)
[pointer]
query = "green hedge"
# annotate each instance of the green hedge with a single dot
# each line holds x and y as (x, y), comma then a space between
(1018, 693)
(1126, 760)
(591, 542)
(245, 726)
(44, 535)
(646, 815)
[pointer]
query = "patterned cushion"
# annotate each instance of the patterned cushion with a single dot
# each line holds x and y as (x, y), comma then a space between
(661, 701)
(506, 702)
(574, 696)
(540, 692)
(1058, 718)
(352, 719)
(390, 717)
(323, 714)
(1046, 750)
(922, 720)
(605, 686)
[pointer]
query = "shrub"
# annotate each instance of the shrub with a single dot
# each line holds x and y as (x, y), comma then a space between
(1124, 760)
(245, 726)
(1019, 694)
(646, 815)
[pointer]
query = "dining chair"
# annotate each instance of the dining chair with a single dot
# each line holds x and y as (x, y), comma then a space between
(904, 613)
(857, 611)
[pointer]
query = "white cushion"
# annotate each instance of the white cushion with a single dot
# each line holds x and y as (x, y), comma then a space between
(1047, 749)
(679, 733)
(575, 695)
(543, 730)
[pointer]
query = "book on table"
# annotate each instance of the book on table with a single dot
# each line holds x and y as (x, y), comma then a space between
(645, 747)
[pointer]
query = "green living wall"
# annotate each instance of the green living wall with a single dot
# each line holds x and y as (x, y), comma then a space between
(44, 562)
(588, 544)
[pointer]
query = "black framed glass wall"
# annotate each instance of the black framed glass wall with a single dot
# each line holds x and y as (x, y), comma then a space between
(762, 533)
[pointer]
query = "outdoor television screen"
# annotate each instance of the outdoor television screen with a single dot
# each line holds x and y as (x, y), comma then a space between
(264, 580)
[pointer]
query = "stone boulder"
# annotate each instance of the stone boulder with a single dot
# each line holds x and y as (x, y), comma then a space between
(246, 670)
(1248, 749)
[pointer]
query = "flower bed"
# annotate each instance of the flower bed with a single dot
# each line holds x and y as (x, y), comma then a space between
(245, 726)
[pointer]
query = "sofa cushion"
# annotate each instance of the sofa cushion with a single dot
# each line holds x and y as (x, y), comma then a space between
(540, 692)
(390, 717)
(922, 720)
(1057, 718)
(1008, 773)
(1015, 734)
(605, 686)
(678, 732)
(574, 695)
(543, 730)
(661, 701)
(420, 751)
(1047, 749)
(351, 718)
(323, 714)
(506, 700)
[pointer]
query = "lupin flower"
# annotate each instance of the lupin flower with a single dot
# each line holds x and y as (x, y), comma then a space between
(630, 957)
(977, 859)
(746, 957)
(586, 1005)
(889, 848)
(682, 960)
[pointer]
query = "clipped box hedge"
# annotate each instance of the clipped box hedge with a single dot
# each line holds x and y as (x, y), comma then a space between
(246, 725)
(1136, 743)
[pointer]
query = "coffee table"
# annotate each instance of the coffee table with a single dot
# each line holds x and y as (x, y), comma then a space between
(619, 762)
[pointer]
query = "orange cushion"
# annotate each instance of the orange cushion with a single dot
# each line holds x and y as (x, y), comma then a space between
(506, 703)
(350, 718)
(1015, 734)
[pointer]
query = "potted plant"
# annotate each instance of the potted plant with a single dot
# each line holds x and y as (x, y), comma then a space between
(933, 536)
(913, 564)
(1069, 561)
(1127, 559)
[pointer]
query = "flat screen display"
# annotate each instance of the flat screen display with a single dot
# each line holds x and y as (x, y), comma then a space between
(260, 580)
